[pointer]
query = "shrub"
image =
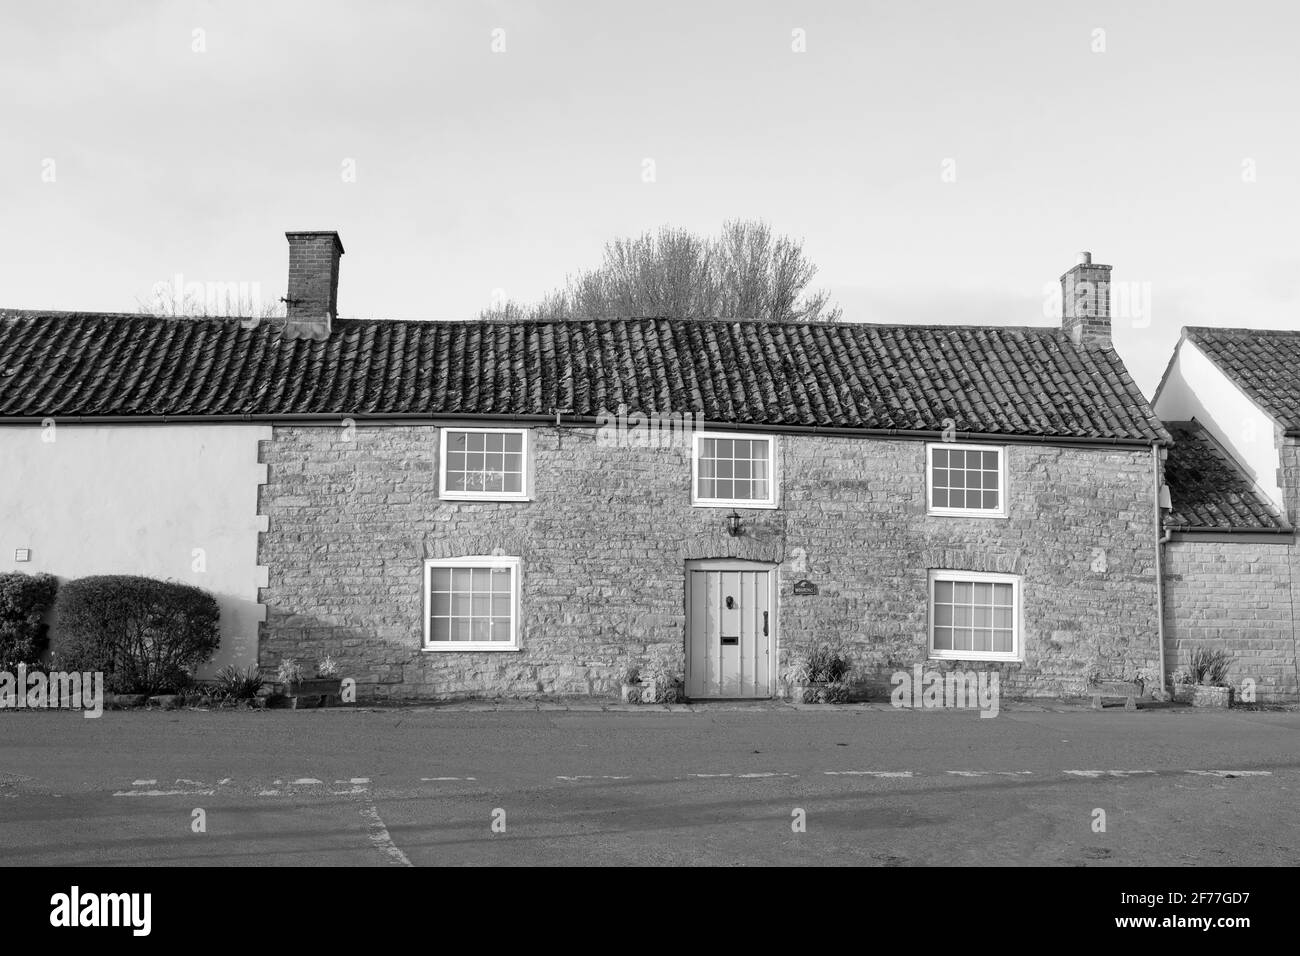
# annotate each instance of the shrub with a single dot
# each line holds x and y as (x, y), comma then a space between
(327, 666)
(665, 672)
(820, 664)
(234, 684)
(147, 636)
(1210, 667)
(629, 673)
(24, 599)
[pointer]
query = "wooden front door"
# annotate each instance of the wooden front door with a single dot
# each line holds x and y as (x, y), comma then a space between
(731, 629)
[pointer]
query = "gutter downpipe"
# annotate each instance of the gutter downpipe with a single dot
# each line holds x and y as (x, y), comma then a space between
(1162, 538)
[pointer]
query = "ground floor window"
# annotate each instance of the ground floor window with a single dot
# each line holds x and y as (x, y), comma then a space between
(974, 616)
(471, 604)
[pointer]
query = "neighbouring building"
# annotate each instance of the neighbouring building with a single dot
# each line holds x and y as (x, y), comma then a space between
(1232, 401)
(460, 509)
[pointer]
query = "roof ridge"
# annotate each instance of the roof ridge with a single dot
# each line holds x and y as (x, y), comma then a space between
(81, 314)
(1233, 329)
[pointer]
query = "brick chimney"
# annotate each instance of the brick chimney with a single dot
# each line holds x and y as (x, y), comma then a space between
(312, 300)
(1085, 303)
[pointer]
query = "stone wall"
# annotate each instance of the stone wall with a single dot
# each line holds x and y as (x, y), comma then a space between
(606, 538)
(1235, 596)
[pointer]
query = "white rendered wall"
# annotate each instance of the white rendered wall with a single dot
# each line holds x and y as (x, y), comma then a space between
(141, 499)
(1196, 388)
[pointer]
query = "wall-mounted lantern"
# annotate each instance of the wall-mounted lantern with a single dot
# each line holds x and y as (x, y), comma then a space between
(733, 524)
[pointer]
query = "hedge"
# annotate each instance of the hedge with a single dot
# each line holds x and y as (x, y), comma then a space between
(24, 599)
(146, 636)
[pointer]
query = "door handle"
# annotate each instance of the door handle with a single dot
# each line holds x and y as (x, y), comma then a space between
(765, 624)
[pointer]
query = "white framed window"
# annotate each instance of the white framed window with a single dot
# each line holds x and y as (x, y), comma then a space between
(484, 464)
(975, 616)
(968, 480)
(471, 603)
(733, 470)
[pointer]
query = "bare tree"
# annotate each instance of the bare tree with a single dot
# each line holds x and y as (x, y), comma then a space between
(209, 300)
(742, 273)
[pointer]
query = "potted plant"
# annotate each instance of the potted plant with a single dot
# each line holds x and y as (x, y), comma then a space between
(629, 679)
(1209, 670)
(1184, 685)
(319, 691)
(818, 675)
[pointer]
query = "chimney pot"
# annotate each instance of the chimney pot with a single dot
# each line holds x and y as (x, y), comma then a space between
(312, 300)
(1085, 258)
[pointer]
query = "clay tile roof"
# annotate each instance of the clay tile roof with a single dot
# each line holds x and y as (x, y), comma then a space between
(995, 381)
(1208, 490)
(1265, 364)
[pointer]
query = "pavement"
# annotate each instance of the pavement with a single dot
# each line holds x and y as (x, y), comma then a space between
(529, 784)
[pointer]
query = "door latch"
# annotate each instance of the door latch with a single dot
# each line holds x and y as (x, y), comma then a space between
(765, 624)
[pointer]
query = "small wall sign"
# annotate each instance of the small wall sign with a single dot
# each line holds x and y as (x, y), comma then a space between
(804, 587)
(22, 554)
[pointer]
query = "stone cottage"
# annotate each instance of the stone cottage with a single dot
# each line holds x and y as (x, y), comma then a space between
(517, 508)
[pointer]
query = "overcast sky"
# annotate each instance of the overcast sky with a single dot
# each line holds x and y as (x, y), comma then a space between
(944, 162)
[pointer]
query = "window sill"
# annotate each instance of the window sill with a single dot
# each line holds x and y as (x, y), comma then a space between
(958, 513)
(936, 658)
(753, 505)
(461, 647)
(453, 496)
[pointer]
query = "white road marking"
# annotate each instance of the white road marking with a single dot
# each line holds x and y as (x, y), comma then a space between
(340, 793)
(162, 793)
(993, 773)
(380, 837)
(305, 782)
(442, 779)
(755, 776)
(594, 777)
(708, 775)
(868, 773)
(143, 783)
(1093, 774)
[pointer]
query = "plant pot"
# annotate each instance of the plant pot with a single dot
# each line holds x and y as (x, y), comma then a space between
(630, 694)
(314, 692)
(1129, 690)
(656, 692)
(810, 693)
(1205, 696)
(836, 693)
(1183, 693)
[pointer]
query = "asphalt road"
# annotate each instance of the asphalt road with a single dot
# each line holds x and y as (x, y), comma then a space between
(719, 786)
